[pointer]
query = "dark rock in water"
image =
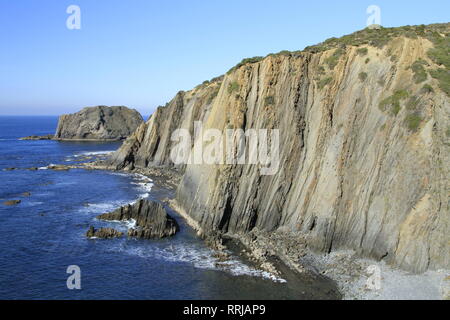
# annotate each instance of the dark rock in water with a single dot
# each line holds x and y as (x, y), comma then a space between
(10, 169)
(152, 220)
(11, 202)
(59, 167)
(103, 233)
(98, 123)
(33, 169)
(46, 137)
(26, 194)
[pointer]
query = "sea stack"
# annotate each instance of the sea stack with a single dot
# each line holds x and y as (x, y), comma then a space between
(99, 123)
(152, 220)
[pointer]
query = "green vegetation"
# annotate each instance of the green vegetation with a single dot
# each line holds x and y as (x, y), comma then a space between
(443, 76)
(394, 102)
(246, 61)
(379, 37)
(324, 82)
(437, 33)
(321, 71)
(232, 87)
(413, 103)
(427, 89)
(362, 76)
(413, 121)
(420, 74)
(367, 60)
(213, 94)
(269, 101)
(333, 60)
(362, 51)
(440, 53)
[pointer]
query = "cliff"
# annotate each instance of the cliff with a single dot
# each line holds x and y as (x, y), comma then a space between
(363, 150)
(98, 123)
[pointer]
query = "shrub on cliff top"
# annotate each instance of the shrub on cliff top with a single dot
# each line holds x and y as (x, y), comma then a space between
(246, 61)
(362, 51)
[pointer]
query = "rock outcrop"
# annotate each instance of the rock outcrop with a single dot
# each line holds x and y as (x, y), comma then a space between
(12, 202)
(103, 233)
(152, 220)
(98, 123)
(364, 124)
(46, 137)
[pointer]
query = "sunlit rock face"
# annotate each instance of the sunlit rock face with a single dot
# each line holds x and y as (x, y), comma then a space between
(363, 150)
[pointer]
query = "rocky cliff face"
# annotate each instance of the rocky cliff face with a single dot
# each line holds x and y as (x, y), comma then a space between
(363, 154)
(98, 123)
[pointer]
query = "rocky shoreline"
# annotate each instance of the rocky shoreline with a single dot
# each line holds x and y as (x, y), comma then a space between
(286, 254)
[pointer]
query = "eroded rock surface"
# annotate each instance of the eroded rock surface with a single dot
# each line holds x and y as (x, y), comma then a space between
(364, 152)
(98, 123)
(103, 233)
(152, 220)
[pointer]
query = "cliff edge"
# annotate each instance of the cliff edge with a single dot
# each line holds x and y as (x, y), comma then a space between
(364, 129)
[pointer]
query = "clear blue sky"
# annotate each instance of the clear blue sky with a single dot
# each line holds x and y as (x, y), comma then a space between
(139, 53)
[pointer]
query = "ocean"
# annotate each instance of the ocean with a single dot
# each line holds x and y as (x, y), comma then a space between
(45, 234)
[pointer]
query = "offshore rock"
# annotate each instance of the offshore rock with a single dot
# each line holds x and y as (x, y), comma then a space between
(46, 137)
(103, 233)
(98, 123)
(152, 220)
(12, 202)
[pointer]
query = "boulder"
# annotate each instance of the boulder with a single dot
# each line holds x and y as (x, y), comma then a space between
(59, 167)
(103, 233)
(99, 124)
(12, 202)
(152, 220)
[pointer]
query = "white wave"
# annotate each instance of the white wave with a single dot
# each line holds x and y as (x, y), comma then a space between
(105, 207)
(199, 257)
(93, 153)
(43, 168)
(144, 183)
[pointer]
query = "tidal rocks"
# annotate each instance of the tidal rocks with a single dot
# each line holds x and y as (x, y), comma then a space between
(152, 220)
(98, 123)
(12, 202)
(46, 137)
(59, 167)
(103, 233)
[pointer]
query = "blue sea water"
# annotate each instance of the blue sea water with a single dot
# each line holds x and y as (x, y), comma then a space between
(45, 233)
